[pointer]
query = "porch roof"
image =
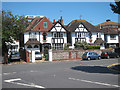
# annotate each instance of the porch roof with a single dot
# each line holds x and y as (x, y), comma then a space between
(99, 41)
(32, 41)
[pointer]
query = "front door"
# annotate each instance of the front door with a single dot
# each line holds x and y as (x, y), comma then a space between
(46, 50)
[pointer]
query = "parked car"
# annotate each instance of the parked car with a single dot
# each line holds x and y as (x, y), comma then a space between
(91, 55)
(109, 54)
(117, 50)
(14, 56)
(38, 55)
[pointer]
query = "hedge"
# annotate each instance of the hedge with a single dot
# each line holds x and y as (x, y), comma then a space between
(93, 46)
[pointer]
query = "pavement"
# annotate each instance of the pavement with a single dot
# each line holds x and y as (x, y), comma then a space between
(61, 74)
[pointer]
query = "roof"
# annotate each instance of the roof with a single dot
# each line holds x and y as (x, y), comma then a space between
(108, 23)
(75, 23)
(34, 22)
(109, 31)
(99, 41)
(32, 41)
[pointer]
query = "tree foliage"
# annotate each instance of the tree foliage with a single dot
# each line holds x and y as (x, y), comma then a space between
(12, 26)
(115, 7)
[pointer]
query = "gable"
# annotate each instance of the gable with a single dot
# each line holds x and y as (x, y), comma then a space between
(81, 28)
(58, 28)
(40, 25)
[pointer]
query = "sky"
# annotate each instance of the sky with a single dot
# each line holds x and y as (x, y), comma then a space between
(93, 12)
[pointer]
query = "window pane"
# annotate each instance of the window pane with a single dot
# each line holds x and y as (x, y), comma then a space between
(45, 24)
(112, 37)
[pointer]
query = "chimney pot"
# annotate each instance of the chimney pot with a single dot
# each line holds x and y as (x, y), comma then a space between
(59, 20)
(54, 20)
(61, 17)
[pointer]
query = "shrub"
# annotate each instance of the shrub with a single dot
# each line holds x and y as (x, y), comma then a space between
(66, 46)
(93, 46)
(81, 45)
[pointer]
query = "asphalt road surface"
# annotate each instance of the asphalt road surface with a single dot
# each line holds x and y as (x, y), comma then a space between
(61, 74)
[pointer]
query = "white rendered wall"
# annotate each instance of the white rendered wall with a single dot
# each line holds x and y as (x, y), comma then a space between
(102, 46)
(26, 37)
(112, 41)
(65, 37)
(87, 37)
(73, 39)
(94, 36)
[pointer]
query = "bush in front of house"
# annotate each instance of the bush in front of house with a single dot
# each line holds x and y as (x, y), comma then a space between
(81, 45)
(66, 46)
(93, 46)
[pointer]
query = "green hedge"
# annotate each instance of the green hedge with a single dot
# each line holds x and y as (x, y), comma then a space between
(93, 46)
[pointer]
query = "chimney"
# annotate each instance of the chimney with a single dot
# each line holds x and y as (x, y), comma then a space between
(54, 21)
(61, 20)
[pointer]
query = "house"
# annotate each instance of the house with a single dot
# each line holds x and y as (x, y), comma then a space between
(111, 35)
(59, 36)
(81, 30)
(13, 47)
(42, 35)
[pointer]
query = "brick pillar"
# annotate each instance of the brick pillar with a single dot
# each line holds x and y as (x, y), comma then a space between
(69, 54)
(27, 56)
(76, 54)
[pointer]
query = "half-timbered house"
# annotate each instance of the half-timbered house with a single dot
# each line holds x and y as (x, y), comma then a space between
(81, 30)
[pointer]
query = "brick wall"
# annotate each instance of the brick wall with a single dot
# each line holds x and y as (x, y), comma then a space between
(70, 54)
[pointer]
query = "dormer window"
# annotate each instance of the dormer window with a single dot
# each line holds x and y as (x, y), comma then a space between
(45, 24)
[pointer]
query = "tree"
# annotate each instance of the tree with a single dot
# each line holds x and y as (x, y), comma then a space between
(115, 8)
(12, 26)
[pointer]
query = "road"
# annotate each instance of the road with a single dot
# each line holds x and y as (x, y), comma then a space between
(61, 74)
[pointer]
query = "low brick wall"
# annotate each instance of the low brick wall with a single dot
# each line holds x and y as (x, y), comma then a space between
(70, 54)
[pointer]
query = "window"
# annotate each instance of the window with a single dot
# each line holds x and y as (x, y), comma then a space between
(80, 35)
(36, 46)
(57, 46)
(45, 24)
(44, 36)
(90, 53)
(94, 53)
(58, 34)
(98, 35)
(112, 37)
(29, 46)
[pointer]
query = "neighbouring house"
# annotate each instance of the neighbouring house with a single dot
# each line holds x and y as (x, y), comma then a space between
(81, 30)
(31, 17)
(42, 35)
(13, 47)
(59, 36)
(111, 35)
